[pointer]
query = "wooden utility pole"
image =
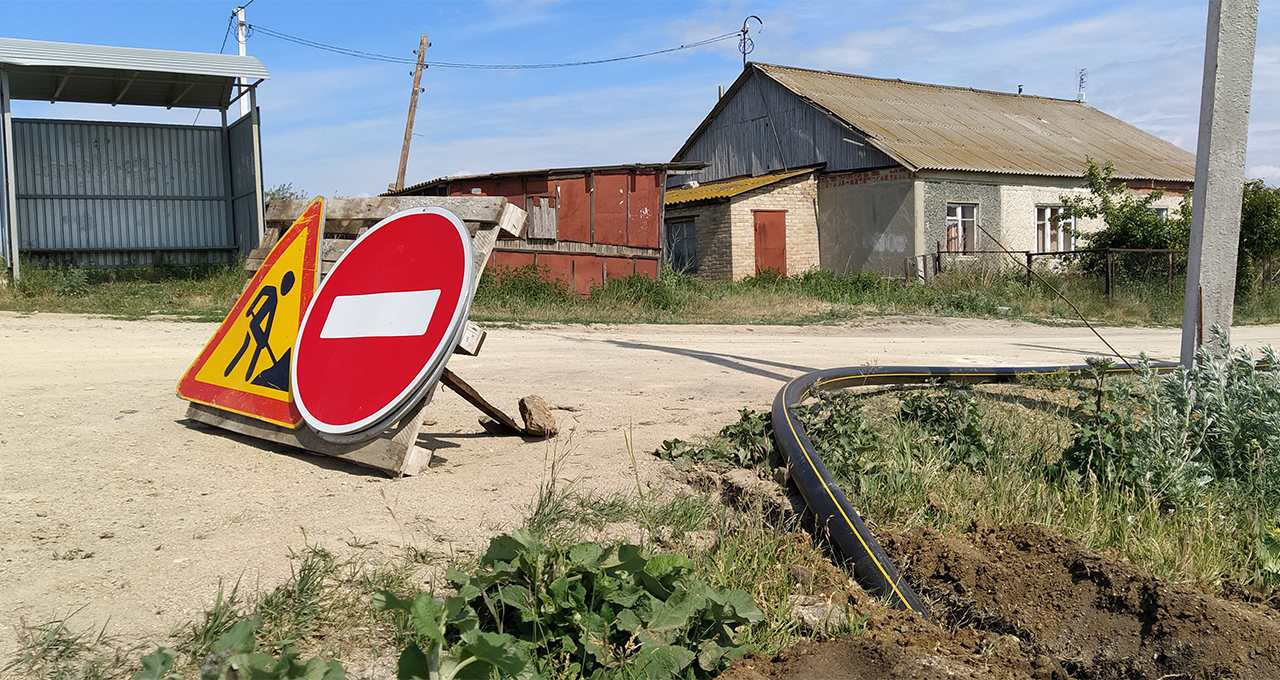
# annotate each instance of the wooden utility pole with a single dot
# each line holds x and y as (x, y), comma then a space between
(413, 108)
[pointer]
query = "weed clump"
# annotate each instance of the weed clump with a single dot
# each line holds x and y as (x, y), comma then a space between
(587, 610)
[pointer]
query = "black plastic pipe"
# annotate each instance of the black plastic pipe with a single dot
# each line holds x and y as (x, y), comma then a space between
(872, 568)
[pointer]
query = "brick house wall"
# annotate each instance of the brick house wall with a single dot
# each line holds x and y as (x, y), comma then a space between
(725, 228)
(799, 197)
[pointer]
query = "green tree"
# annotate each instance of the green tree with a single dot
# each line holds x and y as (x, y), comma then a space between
(1258, 260)
(283, 192)
(1130, 218)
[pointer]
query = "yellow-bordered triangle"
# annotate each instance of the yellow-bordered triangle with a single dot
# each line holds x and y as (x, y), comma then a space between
(244, 368)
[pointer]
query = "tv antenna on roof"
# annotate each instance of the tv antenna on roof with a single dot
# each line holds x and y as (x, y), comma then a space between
(745, 44)
(1082, 78)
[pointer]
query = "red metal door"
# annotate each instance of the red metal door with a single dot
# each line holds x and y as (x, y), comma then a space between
(771, 240)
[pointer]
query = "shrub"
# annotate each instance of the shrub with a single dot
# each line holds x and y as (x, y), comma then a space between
(1177, 437)
(1130, 220)
(949, 414)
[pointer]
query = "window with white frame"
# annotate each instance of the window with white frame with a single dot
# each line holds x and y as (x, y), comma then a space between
(962, 225)
(1053, 229)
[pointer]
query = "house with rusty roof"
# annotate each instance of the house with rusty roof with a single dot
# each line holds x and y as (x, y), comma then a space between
(816, 168)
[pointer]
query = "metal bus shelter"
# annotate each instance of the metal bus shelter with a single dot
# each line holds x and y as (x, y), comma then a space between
(110, 194)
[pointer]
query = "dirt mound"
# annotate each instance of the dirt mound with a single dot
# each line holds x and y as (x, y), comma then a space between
(1020, 601)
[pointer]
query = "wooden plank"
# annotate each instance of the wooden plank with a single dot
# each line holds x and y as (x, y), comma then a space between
(395, 451)
(472, 339)
(374, 208)
(270, 235)
(512, 220)
(452, 381)
(575, 248)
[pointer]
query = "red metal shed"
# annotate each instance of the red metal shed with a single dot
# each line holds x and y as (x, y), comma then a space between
(585, 225)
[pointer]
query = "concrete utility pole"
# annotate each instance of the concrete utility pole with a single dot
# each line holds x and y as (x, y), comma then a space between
(413, 109)
(1220, 156)
(240, 36)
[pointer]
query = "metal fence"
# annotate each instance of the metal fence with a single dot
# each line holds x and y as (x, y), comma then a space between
(1115, 266)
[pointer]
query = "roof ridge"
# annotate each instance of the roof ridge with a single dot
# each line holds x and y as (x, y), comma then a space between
(900, 81)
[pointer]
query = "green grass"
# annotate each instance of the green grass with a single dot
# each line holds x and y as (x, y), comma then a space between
(991, 290)
(526, 295)
(191, 293)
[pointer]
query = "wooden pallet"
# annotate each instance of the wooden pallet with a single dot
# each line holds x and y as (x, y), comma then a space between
(396, 450)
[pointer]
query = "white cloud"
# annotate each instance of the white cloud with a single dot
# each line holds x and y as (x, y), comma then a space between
(1270, 173)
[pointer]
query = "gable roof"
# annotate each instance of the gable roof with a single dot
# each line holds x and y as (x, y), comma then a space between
(936, 127)
(728, 188)
(56, 71)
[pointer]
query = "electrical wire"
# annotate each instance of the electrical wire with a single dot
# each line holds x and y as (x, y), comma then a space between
(1059, 294)
(373, 56)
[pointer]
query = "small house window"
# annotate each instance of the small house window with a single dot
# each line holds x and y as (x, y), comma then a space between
(962, 225)
(1053, 229)
(1162, 213)
(682, 245)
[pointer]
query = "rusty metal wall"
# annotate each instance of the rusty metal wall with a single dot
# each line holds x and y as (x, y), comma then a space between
(112, 194)
(610, 208)
(244, 212)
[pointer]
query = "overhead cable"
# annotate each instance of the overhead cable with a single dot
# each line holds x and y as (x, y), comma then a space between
(373, 56)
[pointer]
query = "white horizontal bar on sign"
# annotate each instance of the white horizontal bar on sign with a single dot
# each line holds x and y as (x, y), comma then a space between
(380, 315)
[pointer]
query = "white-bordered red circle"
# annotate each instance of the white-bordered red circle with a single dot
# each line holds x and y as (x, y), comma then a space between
(383, 323)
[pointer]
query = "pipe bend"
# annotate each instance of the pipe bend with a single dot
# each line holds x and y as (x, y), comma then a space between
(872, 567)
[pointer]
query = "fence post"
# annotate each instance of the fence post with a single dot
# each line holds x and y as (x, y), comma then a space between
(1110, 270)
(1028, 270)
(1170, 291)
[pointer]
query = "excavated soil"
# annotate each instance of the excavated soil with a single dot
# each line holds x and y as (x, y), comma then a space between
(1020, 601)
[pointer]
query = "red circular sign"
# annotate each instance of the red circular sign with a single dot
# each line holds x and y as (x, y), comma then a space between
(383, 323)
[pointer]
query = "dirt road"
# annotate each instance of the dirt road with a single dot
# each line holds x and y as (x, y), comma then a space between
(97, 457)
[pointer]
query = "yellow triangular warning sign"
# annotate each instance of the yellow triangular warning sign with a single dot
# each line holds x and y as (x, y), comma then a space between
(245, 366)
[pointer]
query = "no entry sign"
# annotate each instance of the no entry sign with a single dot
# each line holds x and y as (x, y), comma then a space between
(383, 323)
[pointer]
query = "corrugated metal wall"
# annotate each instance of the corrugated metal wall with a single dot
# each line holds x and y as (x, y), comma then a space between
(243, 183)
(766, 127)
(110, 194)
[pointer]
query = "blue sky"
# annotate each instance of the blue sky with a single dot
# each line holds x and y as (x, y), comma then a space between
(333, 125)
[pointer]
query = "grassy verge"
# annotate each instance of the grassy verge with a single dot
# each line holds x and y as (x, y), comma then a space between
(1177, 473)
(192, 293)
(525, 296)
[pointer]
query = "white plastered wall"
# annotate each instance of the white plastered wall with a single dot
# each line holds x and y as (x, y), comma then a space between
(1018, 204)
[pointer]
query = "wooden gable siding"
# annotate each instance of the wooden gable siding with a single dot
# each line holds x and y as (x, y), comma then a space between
(742, 140)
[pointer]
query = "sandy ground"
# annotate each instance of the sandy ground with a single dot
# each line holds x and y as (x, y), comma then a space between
(96, 455)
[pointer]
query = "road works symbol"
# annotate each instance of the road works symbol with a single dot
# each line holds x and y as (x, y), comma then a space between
(245, 366)
(383, 324)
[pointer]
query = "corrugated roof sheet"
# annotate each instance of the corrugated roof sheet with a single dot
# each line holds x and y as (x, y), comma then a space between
(728, 189)
(549, 172)
(934, 127)
(55, 71)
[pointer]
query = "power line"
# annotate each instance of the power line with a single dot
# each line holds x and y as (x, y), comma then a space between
(373, 56)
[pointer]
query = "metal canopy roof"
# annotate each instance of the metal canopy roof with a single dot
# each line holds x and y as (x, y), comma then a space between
(100, 74)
